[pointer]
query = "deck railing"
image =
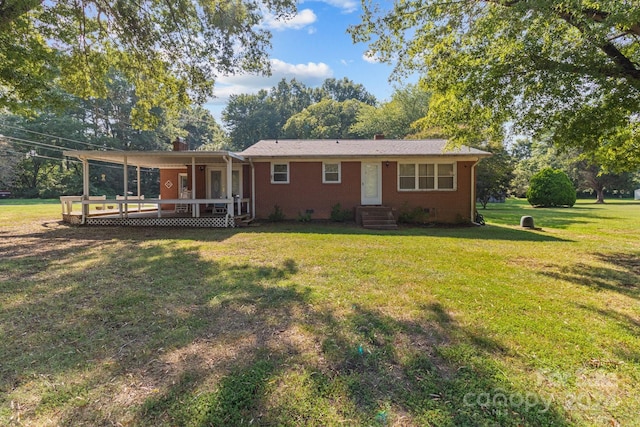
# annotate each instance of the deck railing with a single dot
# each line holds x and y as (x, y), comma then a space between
(100, 205)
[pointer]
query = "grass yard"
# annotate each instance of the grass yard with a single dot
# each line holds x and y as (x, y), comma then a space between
(322, 325)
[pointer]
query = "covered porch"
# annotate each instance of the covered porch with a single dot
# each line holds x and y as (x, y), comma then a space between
(197, 189)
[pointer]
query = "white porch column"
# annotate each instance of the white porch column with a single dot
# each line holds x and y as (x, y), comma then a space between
(85, 188)
(229, 161)
(126, 187)
(195, 209)
(138, 187)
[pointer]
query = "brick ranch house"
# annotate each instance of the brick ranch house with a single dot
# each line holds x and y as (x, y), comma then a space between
(200, 188)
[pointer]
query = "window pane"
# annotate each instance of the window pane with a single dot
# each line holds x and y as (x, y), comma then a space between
(407, 170)
(426, 183)
(445, 182)
(331, 168)
(445, 169)
(280, 168)
(422, 170)
(279, 177)
(407, 183)
(430, 170)
(331, 172)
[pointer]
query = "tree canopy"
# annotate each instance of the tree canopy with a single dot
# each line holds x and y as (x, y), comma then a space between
(251, 117)
(172, 51)
(568, 68)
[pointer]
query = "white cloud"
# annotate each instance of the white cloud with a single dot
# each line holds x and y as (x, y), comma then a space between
(302, 19)
(311, 74)
(347, 6)
(371, 58)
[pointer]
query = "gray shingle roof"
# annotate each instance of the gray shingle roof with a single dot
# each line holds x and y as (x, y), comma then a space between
(357, 148)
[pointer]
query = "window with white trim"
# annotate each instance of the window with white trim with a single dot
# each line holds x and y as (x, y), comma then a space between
(279, 173)
(331, 173)
(426, 176)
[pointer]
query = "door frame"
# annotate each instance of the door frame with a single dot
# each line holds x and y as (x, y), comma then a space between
(363, 176)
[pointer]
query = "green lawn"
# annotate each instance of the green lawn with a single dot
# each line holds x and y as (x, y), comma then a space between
(320, 324)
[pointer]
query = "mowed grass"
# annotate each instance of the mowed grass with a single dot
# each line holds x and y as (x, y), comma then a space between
(321, 324)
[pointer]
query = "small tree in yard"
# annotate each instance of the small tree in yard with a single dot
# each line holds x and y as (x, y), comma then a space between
(494, 176)
(551, 187)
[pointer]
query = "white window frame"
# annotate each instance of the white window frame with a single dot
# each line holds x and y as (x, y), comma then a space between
(416, 179)
(324, 173)
(273, 165)
(183, 179)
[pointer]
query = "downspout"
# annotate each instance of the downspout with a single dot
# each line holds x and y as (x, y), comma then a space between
(472, 215)
(253, 189)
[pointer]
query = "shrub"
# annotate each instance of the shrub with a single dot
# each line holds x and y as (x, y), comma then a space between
(413, 215)
(304, 217)
(340, 215)
(277, 214)
(551, 187)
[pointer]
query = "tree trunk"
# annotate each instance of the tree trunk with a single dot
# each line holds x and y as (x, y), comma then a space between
(599, 195)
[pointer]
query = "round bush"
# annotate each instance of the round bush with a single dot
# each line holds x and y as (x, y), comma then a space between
(551, 187)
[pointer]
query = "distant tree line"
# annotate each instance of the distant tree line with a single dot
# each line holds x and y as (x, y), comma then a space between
(32, 164)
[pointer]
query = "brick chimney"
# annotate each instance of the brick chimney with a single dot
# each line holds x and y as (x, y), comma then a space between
(378, 136)
(179, 145)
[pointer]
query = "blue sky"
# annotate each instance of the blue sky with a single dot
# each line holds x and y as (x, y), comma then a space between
(311, 47)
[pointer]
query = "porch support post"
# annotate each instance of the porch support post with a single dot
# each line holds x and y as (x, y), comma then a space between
(138, 189)
(85, 188)
(126, 187)
(195, 208)
(229, 161)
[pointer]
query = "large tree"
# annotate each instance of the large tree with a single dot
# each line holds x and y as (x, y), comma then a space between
(395, 118)
(324, 119)
(251, 117)
(570, 68)
(172, 51)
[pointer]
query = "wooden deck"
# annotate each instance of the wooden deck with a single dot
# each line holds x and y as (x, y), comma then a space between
(145, 213)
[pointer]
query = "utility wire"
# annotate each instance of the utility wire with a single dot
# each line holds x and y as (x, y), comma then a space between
(61, 149)
(60, 137)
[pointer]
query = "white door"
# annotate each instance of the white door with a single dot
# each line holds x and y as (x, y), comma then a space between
(371, 192)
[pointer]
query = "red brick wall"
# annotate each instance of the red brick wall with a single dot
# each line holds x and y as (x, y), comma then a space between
(444, 206)
(306, 191)
(170, 175)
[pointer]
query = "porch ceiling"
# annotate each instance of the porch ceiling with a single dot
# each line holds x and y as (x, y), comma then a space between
(154, 159)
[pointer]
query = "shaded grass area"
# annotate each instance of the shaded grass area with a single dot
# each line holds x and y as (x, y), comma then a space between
(318, 324)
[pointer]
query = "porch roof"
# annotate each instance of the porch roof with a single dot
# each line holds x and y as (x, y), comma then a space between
(302, 148)
(153, 159)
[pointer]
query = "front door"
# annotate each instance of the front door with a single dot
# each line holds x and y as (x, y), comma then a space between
(371, 191)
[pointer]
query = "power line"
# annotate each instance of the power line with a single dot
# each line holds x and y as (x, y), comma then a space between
(61, 149)
(29, 142)
(60, 137)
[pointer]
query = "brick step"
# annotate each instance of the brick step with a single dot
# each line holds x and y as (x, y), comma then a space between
(378, 225)
(378, 218)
